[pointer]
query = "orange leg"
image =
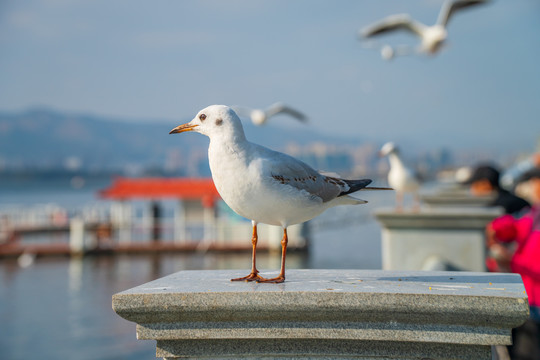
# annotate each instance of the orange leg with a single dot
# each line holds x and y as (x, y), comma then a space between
(254, 275)
(281, 277)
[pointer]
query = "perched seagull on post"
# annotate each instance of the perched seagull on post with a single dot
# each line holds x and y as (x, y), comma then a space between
(431, 37)
(260, 116)
(400, 178)
(266, 186)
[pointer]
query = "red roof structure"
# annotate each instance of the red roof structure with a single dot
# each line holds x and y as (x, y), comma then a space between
(163, 188)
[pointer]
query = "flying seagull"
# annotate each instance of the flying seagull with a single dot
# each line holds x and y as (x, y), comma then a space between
(263, 185)
(400, 177)
(260, 116)
(431, 37)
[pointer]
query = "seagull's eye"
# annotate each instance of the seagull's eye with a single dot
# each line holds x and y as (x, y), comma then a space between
(202, 117)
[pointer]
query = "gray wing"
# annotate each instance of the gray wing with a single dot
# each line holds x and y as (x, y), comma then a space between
(242, 111)
(391, 23)
(280, 108)
(451, 6)
(286, 170)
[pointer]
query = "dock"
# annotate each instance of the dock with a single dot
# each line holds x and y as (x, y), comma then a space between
(133, 219)
(16, 249)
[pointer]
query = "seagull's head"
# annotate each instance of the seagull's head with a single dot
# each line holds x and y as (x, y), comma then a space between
(258, 117)
(214, 121)
(388, 149)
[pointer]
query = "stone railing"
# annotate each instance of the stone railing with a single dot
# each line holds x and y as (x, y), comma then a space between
(328, 314)
(435, 238)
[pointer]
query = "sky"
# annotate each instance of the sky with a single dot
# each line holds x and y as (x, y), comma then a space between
(168, 59)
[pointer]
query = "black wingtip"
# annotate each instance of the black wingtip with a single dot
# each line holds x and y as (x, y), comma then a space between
(355, 185)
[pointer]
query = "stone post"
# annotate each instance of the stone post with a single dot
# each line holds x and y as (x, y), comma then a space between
(435, 238)
(456, 199)
(329, 314)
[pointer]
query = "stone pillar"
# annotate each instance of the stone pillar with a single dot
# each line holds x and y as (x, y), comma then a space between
(456, 197)
(435, 239)
(330, 314)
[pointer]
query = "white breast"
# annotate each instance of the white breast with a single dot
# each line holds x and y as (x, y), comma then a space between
(402, 179)
(248, 189)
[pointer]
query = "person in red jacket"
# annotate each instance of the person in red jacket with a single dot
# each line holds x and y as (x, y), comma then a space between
(515, 244)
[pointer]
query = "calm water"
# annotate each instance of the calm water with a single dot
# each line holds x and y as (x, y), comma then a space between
(61, 307)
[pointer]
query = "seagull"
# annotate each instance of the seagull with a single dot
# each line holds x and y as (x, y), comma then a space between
(263, 185)
(431, 37)
(260, 116)
(400, 178)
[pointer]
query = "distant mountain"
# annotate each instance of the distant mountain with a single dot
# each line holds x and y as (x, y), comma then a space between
(43, 138)
(47, 138)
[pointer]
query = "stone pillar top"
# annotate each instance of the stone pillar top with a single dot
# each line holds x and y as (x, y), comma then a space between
(439, 218)
(459, 199)
(367, 295)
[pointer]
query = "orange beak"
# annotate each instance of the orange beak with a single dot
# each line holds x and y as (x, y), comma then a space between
(183, 128)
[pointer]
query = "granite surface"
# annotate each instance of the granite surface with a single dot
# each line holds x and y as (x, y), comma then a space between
(319, 349)
(363, 313)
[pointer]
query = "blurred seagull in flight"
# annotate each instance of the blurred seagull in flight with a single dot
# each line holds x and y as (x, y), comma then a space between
(400, 178)
(431, 37)
(266, 186)
(260, 116)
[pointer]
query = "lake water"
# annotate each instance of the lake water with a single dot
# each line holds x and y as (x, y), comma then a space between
(61, 307)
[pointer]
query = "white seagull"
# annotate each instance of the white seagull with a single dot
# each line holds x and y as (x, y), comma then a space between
(260, 116)
(431, 37)
(266, 186)
(400, 178)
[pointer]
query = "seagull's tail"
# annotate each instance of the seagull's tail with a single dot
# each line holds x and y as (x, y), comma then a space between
(354, 186)
(357, 185)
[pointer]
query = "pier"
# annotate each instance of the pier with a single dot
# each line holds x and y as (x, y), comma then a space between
(133, 219)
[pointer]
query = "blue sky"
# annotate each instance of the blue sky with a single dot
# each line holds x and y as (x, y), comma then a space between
(168, 59)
